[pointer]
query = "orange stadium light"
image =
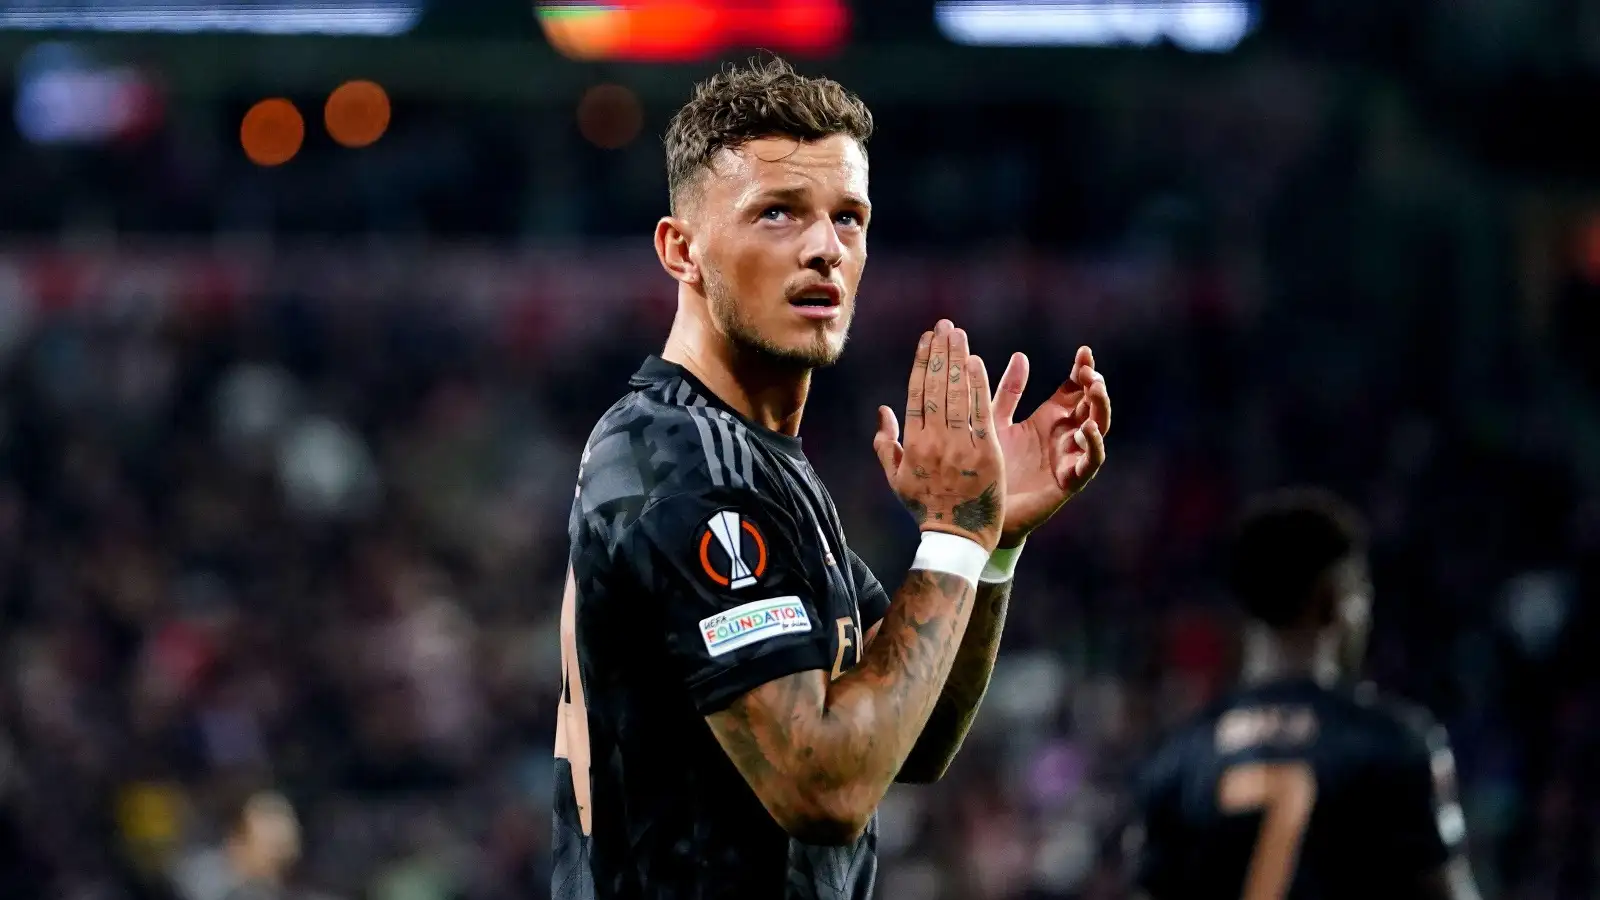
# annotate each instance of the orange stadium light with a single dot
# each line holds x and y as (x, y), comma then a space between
(272, 132)
(610, 116)
(357, 113)
(688, 30)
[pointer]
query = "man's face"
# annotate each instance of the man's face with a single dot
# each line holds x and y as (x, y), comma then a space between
(780, 236)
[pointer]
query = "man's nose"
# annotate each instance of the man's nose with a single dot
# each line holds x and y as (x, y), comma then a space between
(823, 249)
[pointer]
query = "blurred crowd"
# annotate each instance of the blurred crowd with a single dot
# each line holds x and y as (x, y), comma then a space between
(282, 521)
(294, 522)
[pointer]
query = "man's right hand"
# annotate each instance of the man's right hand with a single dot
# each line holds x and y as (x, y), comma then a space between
(949, 472)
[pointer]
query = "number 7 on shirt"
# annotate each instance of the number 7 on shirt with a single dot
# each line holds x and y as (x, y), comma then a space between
(1284, 793)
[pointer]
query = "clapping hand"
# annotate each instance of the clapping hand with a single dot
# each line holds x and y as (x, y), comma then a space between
(1054, 453)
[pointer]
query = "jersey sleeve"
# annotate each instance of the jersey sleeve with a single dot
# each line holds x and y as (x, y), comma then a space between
(723, 569)
(1424, 825)
(872, 599)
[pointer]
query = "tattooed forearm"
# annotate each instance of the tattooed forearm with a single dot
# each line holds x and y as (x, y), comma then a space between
(820, 756)
(963, 690)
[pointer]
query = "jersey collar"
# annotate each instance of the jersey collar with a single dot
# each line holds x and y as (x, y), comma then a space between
(657, 371)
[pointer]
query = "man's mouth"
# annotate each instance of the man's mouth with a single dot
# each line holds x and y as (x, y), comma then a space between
(820, 297)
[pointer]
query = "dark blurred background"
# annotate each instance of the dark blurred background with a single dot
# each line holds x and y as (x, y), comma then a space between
(289, 425)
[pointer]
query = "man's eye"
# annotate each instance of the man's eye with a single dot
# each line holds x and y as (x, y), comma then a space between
(775, 213)
(848, 218)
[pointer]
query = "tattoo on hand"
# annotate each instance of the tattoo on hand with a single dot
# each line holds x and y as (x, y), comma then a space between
(920, 472)
(981, 434)
(979, 513)
(955, 374)
(918, 510)
(936, 364)
(932, 407)
(970, 473)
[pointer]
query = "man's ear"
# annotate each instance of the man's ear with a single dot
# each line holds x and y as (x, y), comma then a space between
(672, 248)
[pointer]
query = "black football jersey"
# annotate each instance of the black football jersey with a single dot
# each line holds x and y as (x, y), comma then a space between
(706, 560)
(1292, 790)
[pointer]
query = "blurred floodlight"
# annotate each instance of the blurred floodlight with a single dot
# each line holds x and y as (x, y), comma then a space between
(332, 17)
(1202, 26)
(357, 113)
(610, 116)
(685, 30)
(272, 132)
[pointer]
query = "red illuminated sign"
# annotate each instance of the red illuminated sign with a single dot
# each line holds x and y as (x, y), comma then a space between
(687, 30)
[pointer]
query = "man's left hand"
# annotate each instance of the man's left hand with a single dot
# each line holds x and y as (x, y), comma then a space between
(1054, 453)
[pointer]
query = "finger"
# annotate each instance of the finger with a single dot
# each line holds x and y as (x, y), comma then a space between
(1064, 456)
(936, 379)
(1094, 444)
(1099, 401)
(1080, 362)
(886, 443)
(983, 414)
(1012, 383)
(919, 371)
(1070, 393)
(958, 391)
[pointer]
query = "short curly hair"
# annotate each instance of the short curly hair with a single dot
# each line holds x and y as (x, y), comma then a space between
(763, 99)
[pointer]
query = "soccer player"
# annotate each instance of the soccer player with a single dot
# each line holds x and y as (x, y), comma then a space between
(1299, 785)
(739, 691)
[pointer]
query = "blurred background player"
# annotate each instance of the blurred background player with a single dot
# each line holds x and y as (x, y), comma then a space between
(1302, 784)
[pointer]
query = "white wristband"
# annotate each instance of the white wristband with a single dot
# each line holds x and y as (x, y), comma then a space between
(940, 552)
(1002, 564)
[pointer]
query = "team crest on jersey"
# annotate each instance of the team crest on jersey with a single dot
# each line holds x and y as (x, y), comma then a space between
(753, 623)
(731, 550)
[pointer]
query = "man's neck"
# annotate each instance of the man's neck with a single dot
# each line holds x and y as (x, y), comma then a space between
(772, 394)
(1282, 656)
